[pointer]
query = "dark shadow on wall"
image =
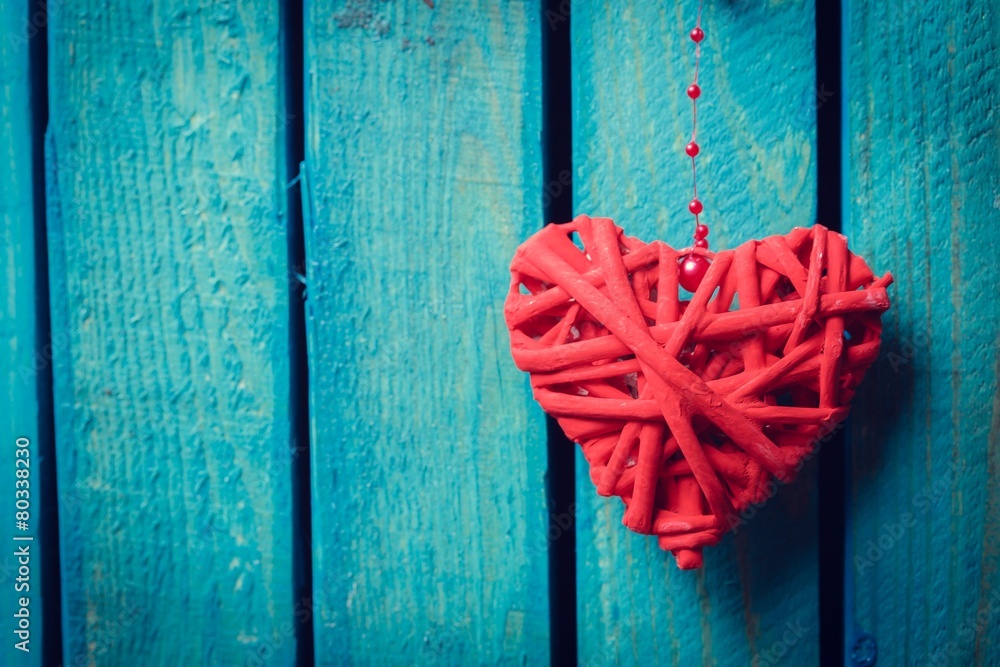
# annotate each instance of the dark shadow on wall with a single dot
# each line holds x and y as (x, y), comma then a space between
(51, 589)
(557, 200)
(833, 455)
(293, 56)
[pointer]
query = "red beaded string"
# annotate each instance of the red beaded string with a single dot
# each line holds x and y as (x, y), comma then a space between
(693, 266)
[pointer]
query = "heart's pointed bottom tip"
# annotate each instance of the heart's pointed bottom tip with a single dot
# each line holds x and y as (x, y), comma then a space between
(689, 559)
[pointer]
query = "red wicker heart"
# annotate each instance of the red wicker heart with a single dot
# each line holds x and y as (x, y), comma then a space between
(688, 409)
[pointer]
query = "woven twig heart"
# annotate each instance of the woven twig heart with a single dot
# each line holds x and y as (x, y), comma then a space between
(688, 409)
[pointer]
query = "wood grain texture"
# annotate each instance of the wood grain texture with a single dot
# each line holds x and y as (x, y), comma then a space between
(755, 600)
(20, 356)
(168, 258)
(924, 136)
(424, 162)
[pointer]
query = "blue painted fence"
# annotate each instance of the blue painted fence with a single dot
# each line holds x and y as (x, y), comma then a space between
(268, 412)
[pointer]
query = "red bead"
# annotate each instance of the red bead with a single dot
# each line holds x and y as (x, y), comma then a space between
(694, 91)
(697, 35)
(695, 206)
(701, 243)
(700, 232)
(691, 149)
(692, 271)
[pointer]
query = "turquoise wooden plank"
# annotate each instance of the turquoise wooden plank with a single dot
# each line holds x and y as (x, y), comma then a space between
(755, 600)
(423, 149)
(168, 263)
(923, 140)
(20, 356)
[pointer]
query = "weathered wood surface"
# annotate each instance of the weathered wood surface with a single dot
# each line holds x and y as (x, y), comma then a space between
(755, 600)
(21, 356)
(170, 341)
(923, 140)
(424, 159)
(168, 255)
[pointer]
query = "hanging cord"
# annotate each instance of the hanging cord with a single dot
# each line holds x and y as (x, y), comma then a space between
(694, 266)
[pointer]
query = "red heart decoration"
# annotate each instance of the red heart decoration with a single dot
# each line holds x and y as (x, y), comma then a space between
(688, 410)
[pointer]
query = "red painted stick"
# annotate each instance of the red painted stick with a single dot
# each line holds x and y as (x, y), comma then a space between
(686, 410)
